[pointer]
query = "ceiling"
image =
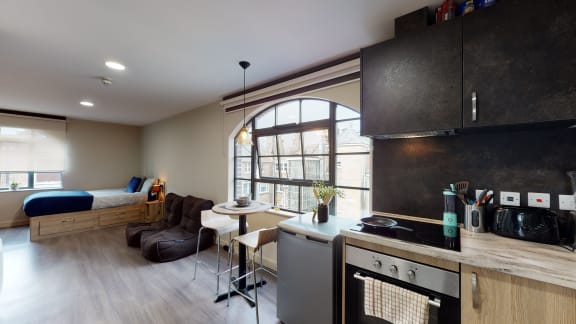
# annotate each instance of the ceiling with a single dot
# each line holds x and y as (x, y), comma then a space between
(179, 54)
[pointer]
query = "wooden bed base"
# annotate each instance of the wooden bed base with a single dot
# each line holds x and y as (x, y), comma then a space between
(47, 226)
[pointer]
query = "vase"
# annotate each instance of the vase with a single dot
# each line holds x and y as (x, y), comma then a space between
(322, 213)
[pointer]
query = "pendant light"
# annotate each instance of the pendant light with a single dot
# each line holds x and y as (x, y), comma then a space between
(244, 137)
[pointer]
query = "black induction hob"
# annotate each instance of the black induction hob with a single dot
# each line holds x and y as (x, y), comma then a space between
(436, 235)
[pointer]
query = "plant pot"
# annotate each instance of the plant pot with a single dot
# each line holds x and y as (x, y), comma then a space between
(13, 187)
(322, 213)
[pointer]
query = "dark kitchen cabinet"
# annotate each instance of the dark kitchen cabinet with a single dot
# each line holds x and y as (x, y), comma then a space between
(519, 58)
(413, 83)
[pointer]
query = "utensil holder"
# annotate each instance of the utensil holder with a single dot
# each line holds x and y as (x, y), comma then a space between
(475, 218)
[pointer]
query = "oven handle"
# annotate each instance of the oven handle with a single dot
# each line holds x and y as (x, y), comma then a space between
(436, 302)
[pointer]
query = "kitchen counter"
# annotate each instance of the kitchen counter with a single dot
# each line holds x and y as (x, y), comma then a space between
(542, 262)
(303, 224)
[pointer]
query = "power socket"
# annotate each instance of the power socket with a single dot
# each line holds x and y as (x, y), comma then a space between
(539, 199)
(508, 198)
(566, 202)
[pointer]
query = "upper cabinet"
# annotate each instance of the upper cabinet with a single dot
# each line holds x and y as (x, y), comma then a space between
(508, 64)
(520, 63)
(413, 83)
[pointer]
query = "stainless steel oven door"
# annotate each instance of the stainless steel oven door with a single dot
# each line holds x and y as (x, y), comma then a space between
(444, 306)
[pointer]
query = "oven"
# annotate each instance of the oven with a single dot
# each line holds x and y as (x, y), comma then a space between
(441, 286)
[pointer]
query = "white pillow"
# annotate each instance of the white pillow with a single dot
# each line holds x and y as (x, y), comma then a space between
(147, 185)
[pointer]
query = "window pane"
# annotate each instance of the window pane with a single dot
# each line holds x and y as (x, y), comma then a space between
(21, 178)
(243, 168)
(289, 112)
(289, 144)
(268, 167)
(353, 170)
(47, 179)
(242, 188)
(316, 142)
(317, 167)
(266, 145)
(315, 110)
(264, 192)
(287, 197)
(266, 119)
(348, 139)
(291, 168)
(308, 200)
(355, 204)
(346, 113)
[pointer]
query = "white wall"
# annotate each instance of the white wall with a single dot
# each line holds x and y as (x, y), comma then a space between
(100, 155)
(193, 151)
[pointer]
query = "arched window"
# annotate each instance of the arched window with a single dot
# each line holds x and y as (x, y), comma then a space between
(300, 141)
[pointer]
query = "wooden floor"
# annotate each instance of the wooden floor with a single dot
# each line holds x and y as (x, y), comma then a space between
(94, 277)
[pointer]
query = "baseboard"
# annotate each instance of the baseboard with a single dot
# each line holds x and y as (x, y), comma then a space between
(14, 223)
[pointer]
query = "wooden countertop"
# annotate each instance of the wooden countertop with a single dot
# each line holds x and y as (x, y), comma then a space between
(542, 262)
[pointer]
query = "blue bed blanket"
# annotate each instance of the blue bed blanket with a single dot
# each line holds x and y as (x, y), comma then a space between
(57, 202)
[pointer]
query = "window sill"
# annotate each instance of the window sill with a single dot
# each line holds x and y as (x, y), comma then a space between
(282, 213)
(31, 189)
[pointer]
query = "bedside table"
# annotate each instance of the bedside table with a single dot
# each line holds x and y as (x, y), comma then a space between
(154, 211)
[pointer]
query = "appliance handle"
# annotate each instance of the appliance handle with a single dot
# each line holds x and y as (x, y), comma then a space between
(436, 302)
(474, 106)
(475, 303)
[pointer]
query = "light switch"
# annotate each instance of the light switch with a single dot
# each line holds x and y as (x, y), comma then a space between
(539, 199)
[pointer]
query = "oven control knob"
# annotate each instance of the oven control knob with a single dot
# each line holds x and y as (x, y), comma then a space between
(411, 274)
(393, 269)
(377, 264)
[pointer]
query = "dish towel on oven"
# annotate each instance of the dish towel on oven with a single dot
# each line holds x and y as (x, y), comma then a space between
(394, 304)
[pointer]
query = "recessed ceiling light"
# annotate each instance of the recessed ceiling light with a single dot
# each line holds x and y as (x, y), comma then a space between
(115, 66)
(86, 103)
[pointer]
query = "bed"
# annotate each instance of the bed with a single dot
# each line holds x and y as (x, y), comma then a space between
(56, 213)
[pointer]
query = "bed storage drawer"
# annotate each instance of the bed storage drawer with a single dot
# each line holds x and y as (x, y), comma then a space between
(120, 216)
(66, 223)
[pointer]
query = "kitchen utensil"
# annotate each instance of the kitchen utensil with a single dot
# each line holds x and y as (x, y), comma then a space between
(481, 197)
(461, 190)
(527, 223)
(382, 222)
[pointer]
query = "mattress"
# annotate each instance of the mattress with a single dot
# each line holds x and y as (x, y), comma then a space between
(57, 202)
(107, 198)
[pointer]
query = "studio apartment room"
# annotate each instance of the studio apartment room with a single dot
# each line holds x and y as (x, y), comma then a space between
(300, 162)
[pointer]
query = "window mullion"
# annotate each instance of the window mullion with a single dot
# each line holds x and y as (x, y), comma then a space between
(332, 150)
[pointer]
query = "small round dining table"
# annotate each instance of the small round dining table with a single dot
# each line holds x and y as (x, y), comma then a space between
(233, 209)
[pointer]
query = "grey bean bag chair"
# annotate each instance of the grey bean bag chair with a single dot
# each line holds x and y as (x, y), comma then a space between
(178, 241)
(172, 217)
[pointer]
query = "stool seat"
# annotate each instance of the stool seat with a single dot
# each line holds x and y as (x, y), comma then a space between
(223, 224)
(258, 238)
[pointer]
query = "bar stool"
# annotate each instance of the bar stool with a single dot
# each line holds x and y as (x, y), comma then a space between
(221, 224)
(254, 240)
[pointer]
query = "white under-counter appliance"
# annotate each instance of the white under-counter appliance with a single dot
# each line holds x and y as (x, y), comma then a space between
(310, 270)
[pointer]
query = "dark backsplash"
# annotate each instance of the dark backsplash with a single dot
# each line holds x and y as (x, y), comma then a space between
(410, 174)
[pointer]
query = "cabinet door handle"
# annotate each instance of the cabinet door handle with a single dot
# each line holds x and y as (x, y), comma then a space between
(475, 304)
(474, 107)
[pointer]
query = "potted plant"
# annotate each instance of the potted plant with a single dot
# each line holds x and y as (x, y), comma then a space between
(13, 185)
(324, 195)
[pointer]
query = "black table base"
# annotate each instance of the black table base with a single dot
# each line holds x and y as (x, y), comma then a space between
(244, 291)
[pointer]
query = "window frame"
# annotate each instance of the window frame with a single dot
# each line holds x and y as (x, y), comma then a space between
(300, 127)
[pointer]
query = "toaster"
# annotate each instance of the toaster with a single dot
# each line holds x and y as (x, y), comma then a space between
(526, 223)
